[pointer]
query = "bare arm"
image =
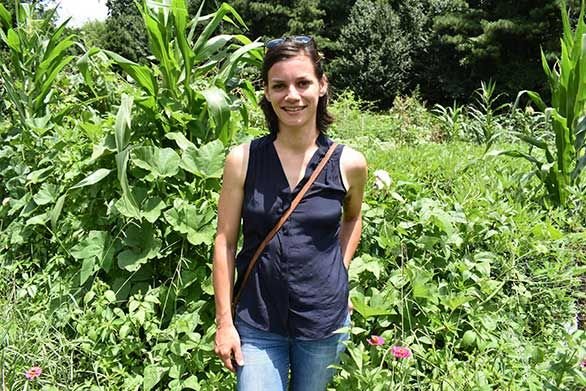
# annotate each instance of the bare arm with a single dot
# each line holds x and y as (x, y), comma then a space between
(354, 172)
(229, 214)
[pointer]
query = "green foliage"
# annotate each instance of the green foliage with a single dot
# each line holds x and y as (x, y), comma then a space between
(125, 193)
(485, 125)
(377, 47)
(565, 160)
(452, 267)
(489, 40)
(37, 57)
(108, 208)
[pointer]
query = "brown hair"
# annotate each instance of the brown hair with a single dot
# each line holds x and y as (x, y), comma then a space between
(287, 49)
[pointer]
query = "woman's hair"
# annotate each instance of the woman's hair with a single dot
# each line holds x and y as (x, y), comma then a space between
(287, 49)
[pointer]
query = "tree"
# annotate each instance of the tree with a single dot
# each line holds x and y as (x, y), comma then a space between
(377, 47)
(498, 40)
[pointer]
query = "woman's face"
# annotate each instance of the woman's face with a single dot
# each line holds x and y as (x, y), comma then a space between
(293, 90)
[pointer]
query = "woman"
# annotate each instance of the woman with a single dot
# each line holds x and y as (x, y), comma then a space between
(297, 294)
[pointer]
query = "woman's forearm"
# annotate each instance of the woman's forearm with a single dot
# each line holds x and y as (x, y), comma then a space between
(350, 231)
(223, 280)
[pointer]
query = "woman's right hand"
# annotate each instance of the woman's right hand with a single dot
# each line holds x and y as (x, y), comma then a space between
(227, 346)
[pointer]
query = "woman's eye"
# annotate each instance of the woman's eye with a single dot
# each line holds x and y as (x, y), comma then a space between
(304, 83)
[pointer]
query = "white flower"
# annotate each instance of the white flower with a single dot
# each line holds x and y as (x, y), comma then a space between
(5, 201)
(382, 179)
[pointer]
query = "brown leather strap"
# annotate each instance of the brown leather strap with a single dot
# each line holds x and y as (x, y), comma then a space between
(280, 223)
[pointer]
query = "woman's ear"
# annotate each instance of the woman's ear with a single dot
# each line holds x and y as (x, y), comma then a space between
(323, 85)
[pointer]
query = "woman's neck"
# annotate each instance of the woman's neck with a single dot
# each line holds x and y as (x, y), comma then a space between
(297, 140)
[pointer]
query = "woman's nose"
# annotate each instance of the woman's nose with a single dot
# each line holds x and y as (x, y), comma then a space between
(292, 93)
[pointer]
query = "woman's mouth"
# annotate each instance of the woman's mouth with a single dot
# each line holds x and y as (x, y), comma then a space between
(293, 109)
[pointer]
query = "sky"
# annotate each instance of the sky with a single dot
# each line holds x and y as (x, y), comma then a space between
(81, 11)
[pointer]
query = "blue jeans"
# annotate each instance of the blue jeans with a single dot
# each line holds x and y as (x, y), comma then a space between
(268, 358)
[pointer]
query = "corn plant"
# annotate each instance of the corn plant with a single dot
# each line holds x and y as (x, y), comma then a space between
(485, 113)
(38, 53)
(565, 160)
(452, 120)
(193, 85)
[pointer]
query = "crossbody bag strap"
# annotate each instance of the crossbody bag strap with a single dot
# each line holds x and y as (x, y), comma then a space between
(280, 223)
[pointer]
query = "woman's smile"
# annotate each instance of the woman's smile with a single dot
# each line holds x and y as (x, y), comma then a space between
(294, 91)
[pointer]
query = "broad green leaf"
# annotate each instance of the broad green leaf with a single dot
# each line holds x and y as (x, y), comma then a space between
(140, 73)
(251, 53)
(39, 175)
(87, 270)
(217, 18)
(84, 67)
(195, 222)
(38, 220)
(180, 139)
(5, 17)
(160, 162)
(13, 41)
(48, 63)
(129, 200)
(56, 211)
(47, 193)
(98, 246)
(152, 208)
(152, 375)
(206, 162)
(45, 88)
(141, 246)
(92, 179)
(191, 383)
(125, 206)
(360, 303)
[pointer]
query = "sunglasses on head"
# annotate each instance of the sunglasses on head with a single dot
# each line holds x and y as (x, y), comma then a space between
(296, 39)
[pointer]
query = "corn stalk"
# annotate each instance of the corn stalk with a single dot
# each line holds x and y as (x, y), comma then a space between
(565, 160)
(38, 53)
(193, 85)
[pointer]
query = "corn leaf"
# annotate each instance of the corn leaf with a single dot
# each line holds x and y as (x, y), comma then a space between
(140, 73)
(123, 123)
(218, 16)
(48, 83)
(92, 179)
(5, 17)
(219, 110)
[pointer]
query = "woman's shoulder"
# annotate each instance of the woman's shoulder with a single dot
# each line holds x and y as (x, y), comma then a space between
(351, 159)
(353, 167)
(236, 163)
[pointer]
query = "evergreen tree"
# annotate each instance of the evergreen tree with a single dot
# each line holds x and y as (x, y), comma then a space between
(498, 40)
(377, 49)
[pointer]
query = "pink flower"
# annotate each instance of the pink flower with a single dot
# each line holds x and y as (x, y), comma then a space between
(33, 373)
(583, 364)
(401, 352)
(375, 340)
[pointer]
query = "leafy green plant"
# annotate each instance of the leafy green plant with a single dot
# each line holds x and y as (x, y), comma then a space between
(485, 125)
(565, 160)
(452, 120)
(38, 53)
(194, 85)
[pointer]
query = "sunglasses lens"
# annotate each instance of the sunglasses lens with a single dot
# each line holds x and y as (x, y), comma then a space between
(273, 43)
(302, 39)
(298, 39)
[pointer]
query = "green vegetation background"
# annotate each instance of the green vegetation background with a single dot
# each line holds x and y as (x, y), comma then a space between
(109, 179)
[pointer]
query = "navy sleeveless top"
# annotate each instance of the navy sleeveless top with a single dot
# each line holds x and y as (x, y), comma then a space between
(299, 286)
